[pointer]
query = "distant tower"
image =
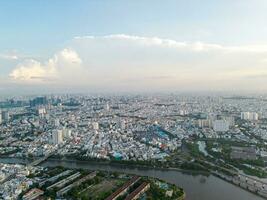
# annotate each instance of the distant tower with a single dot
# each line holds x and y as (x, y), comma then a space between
(5, 116)
(95, 125)
(107, 107)
(38, 101)
(41, 111)
(0, 117)
(57, 136)
(252, 116)
(66, 133)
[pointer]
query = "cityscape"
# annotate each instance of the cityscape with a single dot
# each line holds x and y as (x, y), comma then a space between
(133, 100)
(225, 136)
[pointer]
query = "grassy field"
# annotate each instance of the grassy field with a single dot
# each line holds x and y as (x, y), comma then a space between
(101, 190)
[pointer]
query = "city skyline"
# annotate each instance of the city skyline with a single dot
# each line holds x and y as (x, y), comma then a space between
(118, 46)
(133, 100)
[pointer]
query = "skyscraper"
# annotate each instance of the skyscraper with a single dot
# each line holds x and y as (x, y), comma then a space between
(0, 117)
(38, 101)
(57, 136)
(5, 116)
(41, 112)
(66, 133)
(252, 116)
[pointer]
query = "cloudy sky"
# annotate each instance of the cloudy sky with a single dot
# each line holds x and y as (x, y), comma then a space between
(125, 45)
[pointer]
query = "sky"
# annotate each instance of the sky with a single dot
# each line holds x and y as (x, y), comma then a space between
(133, 46)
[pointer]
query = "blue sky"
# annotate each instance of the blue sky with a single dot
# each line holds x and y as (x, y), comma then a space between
(41, 30)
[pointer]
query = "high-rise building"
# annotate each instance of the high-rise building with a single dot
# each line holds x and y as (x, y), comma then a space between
(95, 125)
(38, 101)
(204, 123)
(66, 133)
(107, 107)
(41, 112)
(57, 136)
(5, 116)
(251, 116)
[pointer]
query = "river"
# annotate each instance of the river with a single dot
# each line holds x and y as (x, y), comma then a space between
(197, 187)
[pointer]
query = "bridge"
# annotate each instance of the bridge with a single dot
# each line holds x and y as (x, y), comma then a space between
(246, 182)
(40, 160)
(242, 180)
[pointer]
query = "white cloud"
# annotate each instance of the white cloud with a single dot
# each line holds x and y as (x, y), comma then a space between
(125, 62)
(13, 55)
(9, 56)
(264, 60)
(29, 70)
(66, 56)
(194, 46)
(33, 71)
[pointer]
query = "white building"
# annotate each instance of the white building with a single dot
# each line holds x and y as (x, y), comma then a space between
(66, 133)
(107, 107)
(221, 125)
(95, 125)
(204, 123)
(251, 116)
(41, 112)
(183, 112)
(57, 136)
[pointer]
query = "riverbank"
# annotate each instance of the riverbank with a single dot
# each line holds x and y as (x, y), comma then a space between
(114, 163)
(87, 184)
(120, 164)
(196, 186)
(231, 180)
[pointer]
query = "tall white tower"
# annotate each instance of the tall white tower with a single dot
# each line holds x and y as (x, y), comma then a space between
(57, 136)
(95, 125)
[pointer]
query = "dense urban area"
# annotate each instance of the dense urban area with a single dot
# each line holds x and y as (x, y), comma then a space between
(216, 134)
